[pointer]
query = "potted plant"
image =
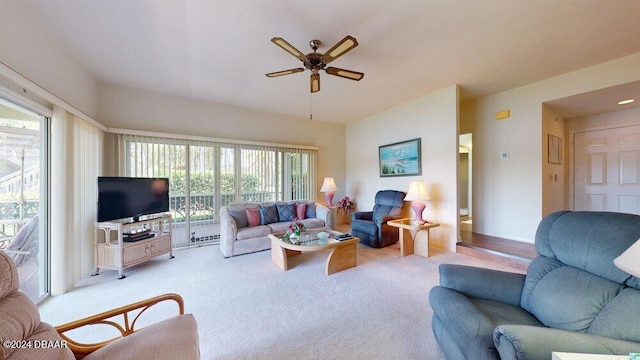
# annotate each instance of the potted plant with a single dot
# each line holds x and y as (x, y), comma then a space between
(295, 229)
(345, 207)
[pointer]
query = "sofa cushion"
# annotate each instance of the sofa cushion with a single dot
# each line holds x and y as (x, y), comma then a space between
(253, 232)
(174, 338)
(253, 216)
(9, 281)
(279, 227)
(366, 227)
(618, 318)
(44, 332)
(20, 318)
(568, 298)
(240, 217)
(286, 212)
(584, 240)
(301, 211)
(268, 214)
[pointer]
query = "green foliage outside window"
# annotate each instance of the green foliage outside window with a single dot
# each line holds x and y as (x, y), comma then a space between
(202, 183)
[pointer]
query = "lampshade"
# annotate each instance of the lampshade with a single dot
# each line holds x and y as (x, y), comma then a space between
(629, 261)
(329, 185)
(417, 192)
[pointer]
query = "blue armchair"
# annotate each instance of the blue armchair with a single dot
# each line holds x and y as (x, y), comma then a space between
(572, 299)
(371, 226)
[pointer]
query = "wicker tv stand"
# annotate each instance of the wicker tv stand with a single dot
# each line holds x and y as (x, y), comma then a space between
(115, 253)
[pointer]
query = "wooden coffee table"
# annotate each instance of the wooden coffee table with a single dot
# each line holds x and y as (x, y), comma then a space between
(343, 254)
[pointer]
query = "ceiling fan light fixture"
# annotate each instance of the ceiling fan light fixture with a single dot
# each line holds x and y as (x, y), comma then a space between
(315, 82)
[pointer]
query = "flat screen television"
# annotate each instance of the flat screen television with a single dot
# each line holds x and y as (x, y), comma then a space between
(124, 197)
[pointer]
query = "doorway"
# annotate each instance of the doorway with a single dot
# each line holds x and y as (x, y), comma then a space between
(465, 183)
(607, 170)
(23, 195)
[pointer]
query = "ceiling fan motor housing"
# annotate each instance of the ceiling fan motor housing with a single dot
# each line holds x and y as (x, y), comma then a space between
(315, 62)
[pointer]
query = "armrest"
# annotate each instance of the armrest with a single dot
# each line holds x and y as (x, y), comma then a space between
(362, 215)
(483, 283)
(388, 218)
(322, 212)
(532, 342)
(228, 232)
(105, 318)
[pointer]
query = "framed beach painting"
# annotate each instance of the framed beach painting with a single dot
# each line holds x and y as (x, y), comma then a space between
(400, 159)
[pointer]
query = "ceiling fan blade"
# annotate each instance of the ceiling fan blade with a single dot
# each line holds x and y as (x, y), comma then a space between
(339, 49)
(289, 48)
(315, 83)
(284, 72)
(347, 74)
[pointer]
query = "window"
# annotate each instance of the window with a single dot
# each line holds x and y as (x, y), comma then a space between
(23, 195)
(204, 176)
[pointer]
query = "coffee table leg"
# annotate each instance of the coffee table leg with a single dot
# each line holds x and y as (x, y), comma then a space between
(342, 258)
(279, 255)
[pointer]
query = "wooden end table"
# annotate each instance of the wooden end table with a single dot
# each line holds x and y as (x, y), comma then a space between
(343, 254)
(408, 245)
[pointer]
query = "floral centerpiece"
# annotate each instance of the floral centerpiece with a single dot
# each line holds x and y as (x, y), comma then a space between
(295, 229)
(345, 205)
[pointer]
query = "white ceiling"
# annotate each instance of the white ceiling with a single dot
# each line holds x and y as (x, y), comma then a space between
(220, 50)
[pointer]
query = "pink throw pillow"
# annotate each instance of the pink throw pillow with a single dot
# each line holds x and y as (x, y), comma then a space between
(301, 210)
(253, 216)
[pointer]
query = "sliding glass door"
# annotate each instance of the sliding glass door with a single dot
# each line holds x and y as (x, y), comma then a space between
(204, 176)
(23, 195)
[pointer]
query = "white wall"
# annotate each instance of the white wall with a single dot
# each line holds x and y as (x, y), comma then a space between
(554, 179)
(128, 108)
(434, 119)
(508, 192)
(28, 48)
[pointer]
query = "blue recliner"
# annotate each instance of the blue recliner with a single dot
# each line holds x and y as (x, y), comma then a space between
(572, 299)
(371, 226)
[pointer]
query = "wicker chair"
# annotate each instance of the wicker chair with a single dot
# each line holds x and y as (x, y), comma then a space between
(173, 338)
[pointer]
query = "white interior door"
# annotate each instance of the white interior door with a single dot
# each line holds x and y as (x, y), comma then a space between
(607, 170)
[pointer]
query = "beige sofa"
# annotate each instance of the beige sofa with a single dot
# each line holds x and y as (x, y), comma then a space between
(24, 336)
(237, 237)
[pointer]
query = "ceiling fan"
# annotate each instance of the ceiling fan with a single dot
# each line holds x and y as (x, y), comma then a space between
(316, 62)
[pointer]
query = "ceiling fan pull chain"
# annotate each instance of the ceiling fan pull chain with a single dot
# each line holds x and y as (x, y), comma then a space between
(310, 106)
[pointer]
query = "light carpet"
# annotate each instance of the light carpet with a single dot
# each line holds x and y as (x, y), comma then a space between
(247, 308)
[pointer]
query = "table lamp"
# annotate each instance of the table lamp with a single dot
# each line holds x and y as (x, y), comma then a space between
(417, 195)
(329, 188)
(629, 261)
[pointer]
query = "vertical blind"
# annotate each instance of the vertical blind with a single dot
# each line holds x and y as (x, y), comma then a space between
(204, 176)
(87, 166)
